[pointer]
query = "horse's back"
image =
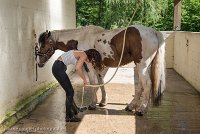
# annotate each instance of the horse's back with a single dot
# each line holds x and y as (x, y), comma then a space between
(150, 40)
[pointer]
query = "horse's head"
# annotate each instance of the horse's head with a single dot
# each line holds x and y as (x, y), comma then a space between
(45, 49)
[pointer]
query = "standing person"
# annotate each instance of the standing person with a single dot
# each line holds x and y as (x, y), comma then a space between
(59, 68)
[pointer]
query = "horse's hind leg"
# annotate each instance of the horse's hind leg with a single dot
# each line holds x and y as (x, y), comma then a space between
(146, 84)
(138, 92)
(135, 102)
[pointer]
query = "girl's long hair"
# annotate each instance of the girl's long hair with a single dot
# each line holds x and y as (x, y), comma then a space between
(95, 58)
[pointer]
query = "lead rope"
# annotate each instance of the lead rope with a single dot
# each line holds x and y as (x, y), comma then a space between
(36, 49)
(36, 72)
(82, 97)
(99, 85)
(124, 39)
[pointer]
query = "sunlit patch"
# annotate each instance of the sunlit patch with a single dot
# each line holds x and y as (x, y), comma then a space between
(56, 14)
(104, 123)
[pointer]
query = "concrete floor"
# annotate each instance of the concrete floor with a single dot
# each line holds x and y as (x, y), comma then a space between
(177, 114)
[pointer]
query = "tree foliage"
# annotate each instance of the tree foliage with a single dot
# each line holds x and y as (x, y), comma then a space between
(190, 15)
(87, 12)
(154, 13)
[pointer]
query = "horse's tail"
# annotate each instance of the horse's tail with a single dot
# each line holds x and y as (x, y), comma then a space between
(158, 69)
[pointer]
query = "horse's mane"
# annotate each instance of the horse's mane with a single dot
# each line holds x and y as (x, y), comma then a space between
(88, 28)
(41, 37)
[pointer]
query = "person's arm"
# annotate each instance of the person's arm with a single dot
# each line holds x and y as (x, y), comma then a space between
(79, 66)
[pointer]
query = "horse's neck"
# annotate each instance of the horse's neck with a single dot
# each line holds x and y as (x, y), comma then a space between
(66, 35)
(85, 36)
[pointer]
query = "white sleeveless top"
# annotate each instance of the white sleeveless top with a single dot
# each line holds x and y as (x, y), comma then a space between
(69, 58)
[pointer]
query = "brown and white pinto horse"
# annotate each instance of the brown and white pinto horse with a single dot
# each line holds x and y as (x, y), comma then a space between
(144, 46)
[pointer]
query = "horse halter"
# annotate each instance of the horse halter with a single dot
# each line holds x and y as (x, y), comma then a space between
(47, 53)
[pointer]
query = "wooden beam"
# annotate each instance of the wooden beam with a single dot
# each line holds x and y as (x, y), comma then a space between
(176, 2)
(177, 15)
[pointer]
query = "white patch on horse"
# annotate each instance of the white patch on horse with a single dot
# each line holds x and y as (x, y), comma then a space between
(85, 36)
(148, 37)
(38, 59)
(102, 43)
(103, 48)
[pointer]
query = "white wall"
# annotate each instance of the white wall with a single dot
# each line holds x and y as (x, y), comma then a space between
(187, 56)
(18, 20)
(169, 56)
(183, 54)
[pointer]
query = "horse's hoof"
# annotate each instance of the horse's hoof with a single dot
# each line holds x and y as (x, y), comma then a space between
(128, 109)
(82, 109)
(139, 113)
(102, 104)
(91, 107)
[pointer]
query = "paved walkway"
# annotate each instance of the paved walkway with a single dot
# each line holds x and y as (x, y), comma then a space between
(179, 112)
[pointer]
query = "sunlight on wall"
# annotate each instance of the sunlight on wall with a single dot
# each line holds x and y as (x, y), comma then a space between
(17, 67)
(124, 75)
(56, 18)
(55, 7)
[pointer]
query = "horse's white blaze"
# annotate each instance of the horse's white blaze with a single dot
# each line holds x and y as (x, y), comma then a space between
(38, 59)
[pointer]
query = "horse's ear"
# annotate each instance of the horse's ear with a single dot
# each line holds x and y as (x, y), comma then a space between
(49, 34)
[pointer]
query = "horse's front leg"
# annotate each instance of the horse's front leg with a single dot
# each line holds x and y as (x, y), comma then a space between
(92, 76)
(103, 91)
